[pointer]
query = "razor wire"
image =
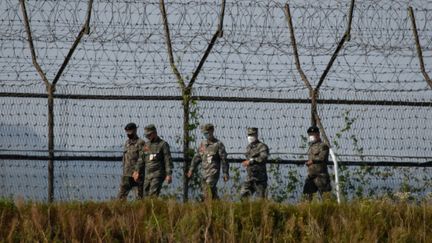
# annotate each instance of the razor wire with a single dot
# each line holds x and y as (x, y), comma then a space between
(126, 47)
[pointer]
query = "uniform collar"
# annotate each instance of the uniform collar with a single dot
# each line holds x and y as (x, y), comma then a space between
(255, 143)
(157, 139)
(210, 141)
(132, 140)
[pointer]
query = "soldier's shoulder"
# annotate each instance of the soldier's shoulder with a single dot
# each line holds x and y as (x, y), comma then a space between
(262, 145)
(315, 146)
(164, 143)
(219, 142)
(323, 146)
(141, 141)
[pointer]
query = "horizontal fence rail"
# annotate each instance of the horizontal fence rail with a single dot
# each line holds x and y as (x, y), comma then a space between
(221, 99)
(180, 160)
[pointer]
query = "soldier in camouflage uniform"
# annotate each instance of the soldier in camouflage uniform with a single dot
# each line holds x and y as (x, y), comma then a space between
(212, 154)
(157, 161)
(255, 163)
(318, 178)
(131, 163)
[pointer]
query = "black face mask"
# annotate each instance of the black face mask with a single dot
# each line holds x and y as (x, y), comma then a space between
(131, 136)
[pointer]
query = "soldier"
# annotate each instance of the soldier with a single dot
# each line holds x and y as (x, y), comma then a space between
(131, 163)
(255, 163)
(212, 153)
(157, 160)
(318, 178)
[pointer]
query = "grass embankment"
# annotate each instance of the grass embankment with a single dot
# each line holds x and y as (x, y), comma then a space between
(170, 221)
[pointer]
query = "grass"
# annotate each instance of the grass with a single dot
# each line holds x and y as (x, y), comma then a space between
(157, 220)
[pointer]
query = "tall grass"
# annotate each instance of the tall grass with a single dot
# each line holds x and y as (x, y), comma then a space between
(157, 220)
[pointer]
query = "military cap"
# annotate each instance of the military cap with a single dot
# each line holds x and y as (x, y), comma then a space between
(207, 127)
(252, 131)
(130, 126)
(313, 129)
(149, 129)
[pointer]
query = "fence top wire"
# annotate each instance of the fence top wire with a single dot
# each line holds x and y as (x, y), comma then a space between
(125, 52)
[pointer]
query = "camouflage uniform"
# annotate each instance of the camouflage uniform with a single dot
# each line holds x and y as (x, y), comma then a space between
(318, 178)
(256, 180)
(212, 153)
(132, 161)
(158, 163)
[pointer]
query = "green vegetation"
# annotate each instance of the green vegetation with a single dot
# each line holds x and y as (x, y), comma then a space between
(258, 221)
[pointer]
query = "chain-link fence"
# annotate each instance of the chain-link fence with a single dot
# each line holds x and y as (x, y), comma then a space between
(374, 103)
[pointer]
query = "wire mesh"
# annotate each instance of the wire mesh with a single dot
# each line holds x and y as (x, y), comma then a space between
(375, 103)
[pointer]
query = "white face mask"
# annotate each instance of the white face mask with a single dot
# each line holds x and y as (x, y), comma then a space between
(251, 139)
(312, 139)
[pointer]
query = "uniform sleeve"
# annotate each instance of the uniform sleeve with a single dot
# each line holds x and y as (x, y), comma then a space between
(246, 154)
(262, 155)
(323, 153)
(195, 160)
(124, 153)
(167, 159)
(223, 157)
(140, 164)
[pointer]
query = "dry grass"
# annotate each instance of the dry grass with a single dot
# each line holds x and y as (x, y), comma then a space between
(168, 221)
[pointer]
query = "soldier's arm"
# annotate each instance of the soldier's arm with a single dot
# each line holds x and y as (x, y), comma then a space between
(167, 159)
(140, 164)
(223, 156)
(195, 161)
(124, 153)
(323, 153)
(261, 156)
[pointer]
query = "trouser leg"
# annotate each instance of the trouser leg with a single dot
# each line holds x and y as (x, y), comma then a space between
(140, 189)
(210, 190)
(322, 182)
(125, 187)
(153, 186)
(309, 188)
(247, 189)
(261, 189)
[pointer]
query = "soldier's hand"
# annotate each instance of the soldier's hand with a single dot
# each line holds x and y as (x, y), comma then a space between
(226, 177)
(189, 174)
(245, 163)
(135, 175)
(309, 163)
(168, 179)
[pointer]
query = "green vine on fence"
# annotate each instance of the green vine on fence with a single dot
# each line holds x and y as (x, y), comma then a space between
(356, 182)
(194, 122)
(351, 181)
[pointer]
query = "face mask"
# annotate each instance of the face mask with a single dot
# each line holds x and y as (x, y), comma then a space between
(251, 139)
(206, 135)
(312, 139)
(131, 136)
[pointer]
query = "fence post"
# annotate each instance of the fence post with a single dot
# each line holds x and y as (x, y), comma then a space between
(50, 87)
(336, 171)
(314, 97)
(186, 142)
(50, 143)
(313, 92)
(186, 89)
(418, 47)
